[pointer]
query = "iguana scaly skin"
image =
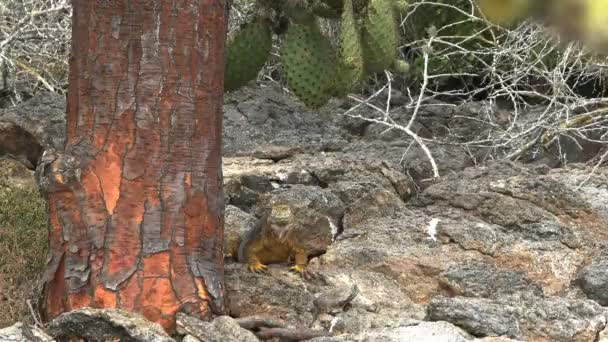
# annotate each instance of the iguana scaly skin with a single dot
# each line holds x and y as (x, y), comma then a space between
(282, 234)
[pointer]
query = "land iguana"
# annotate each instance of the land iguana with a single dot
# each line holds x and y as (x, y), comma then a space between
(282, 233)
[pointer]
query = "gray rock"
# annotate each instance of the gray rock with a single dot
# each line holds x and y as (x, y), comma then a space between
(499, 197)
(238, 195)
(278, 294)
(332, 168)
(334, 300)
(479, 279)
(266, 123)
(105, 324)
(472, 234)
(411, 159)
(354, 320)
(19, 144)
(480, 317)
(221, 329)
(417, 331)
(190, 338)
(591, 186)
(523, 317)
(236, 224)
(603, 336)
(39, 123)
(332, 180)
(593, 279)
(322, 201)
(20, 332)
(266, 120)
(375, 205)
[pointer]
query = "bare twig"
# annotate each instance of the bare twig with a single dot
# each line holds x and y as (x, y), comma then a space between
(387, 121)
(28, 18)
(34, 314)
(34, 46)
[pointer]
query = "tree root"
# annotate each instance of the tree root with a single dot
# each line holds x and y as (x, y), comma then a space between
(266, 329)
(256, 322)
(285, 334)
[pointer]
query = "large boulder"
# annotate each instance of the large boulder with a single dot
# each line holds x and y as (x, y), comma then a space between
(34, 126)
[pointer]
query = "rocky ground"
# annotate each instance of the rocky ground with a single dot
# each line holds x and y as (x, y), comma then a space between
(493, 251)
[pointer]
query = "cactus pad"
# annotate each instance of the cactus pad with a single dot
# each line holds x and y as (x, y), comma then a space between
(380, 36)
(247, 53)
(308, 62)
(350, 54)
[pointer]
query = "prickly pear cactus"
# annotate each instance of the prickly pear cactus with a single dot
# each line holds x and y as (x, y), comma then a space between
(350, 54)
(247, 53)
(380, 36)
(308, 61)
(315, 70)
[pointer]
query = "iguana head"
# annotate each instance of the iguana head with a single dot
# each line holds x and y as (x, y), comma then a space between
(280, 213)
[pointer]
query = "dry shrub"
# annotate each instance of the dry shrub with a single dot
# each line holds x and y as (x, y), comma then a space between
(23, 241)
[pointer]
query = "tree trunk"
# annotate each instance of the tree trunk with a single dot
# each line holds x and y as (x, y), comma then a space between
(135, 201)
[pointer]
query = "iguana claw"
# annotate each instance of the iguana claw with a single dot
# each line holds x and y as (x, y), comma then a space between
(305, 273)
(257, 268)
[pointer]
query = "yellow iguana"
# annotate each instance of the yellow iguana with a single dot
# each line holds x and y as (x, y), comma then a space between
(284, 233)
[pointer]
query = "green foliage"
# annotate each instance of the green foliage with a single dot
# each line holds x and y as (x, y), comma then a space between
(449, 19)
(308, 63)
(350, 54)
(380, 36)
(247, 53)
(23, 241)
(23, 229)
(313, 67)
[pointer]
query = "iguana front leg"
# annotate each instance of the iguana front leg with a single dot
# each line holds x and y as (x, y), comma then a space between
(253, 262)
(301, 258)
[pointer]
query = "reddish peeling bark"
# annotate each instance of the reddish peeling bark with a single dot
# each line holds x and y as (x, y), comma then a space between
(135, 200)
